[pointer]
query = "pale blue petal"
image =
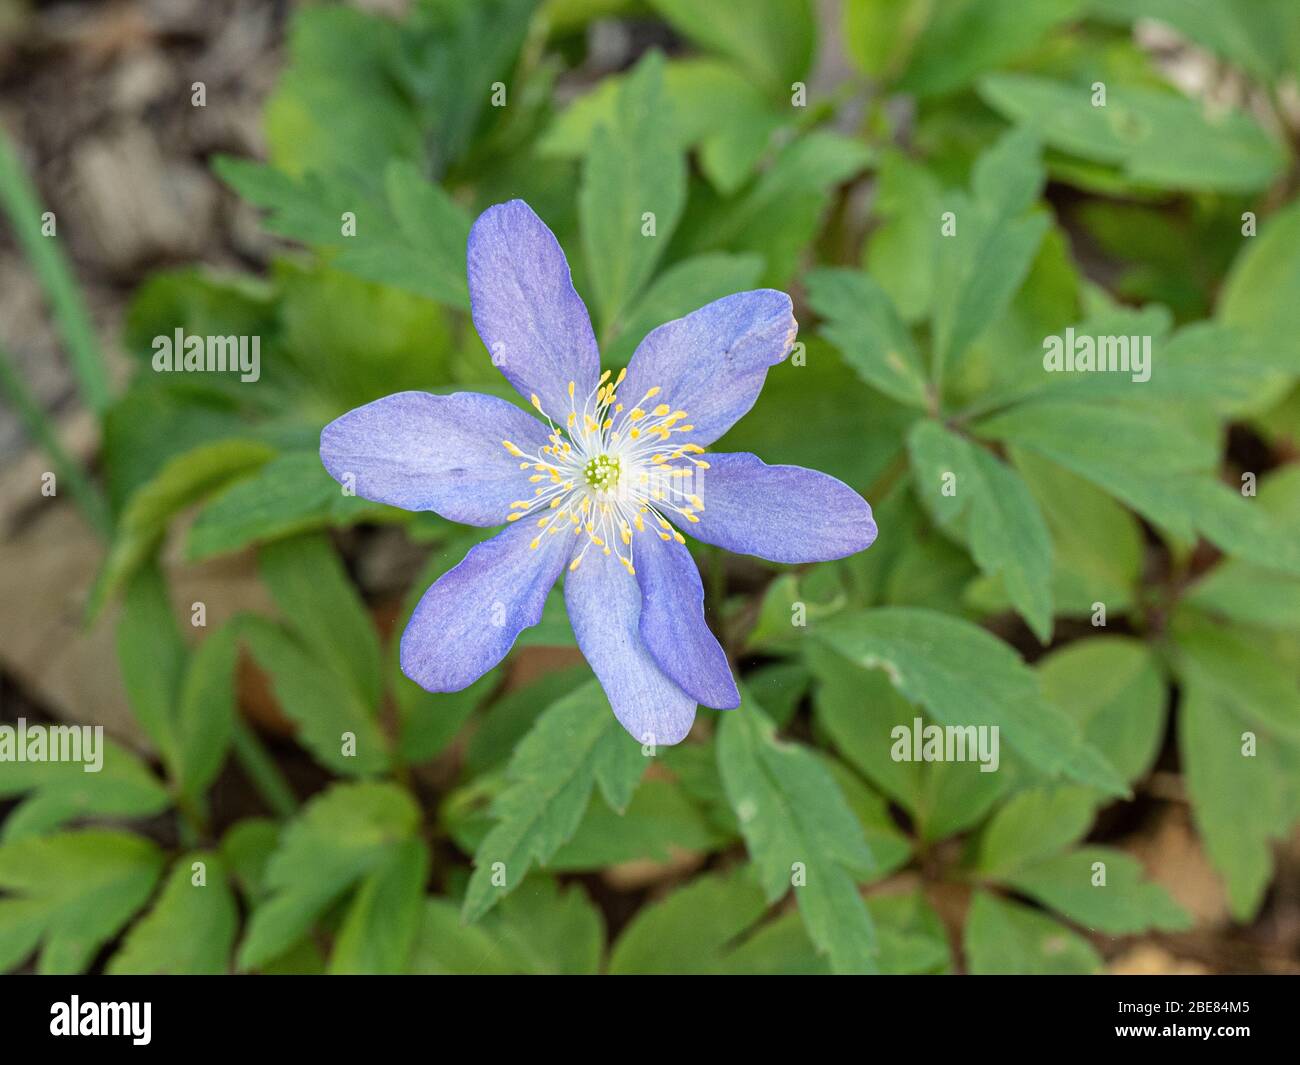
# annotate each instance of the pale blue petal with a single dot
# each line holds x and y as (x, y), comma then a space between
(604, 603)
(468, 620)
(713, 362)
(673, 625)
(533, 323)
(781, 513)
(442, 453)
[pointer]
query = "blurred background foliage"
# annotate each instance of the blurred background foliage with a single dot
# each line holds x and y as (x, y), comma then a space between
(813, 147)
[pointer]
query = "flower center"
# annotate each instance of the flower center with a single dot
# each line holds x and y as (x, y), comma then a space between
(612, 471)
(601, 473)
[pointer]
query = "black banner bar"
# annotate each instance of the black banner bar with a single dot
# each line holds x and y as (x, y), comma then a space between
(339, 1014)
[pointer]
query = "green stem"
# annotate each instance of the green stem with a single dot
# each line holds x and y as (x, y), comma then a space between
(20, 203)
(192, 824)
(39, 427)
(262, 772)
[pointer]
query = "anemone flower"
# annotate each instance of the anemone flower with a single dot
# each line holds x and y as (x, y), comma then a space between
(595, 485)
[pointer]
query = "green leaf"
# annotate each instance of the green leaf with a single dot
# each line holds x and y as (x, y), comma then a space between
(660, 823)
(787, 600)
(1252, 34)
(916, 565)
(151, 657)
(379, 932)
(1239, 750)
(772, 39)
(1261, 295)
(1155, 138)
(799, 830)
(1228, 370)
(450, 46)
(151, 422)
(782, 686)
(1240, 526)
(576, 744)
(190, 930)
(58, 792)
(690, 930)
(410, 234)
(510, 717)
(861, 321)
(201, 302)
(879, 35)
(663, 821)
(205, 712)
(551, 930)
(184, 701)
(309, 584)
(1097, 546)
(913, 938)
(246, 848)
(539, 929)
(313, 694)
(337, 104)
(712, 925)
(890, 848)
(1138, 453)
(902, 250)
(1006, 938)
(340, 837)
(992, 509)
(963, 38)
(964, 676)
(1033, 824)
(431, 720)
(184, 480)
(72, 892)
(1249, 592)
(982, 264)
(634, 177)
(1113, 688)
(779, 214)
(1121, 905)
(1236, 787)
(716, 110)
(779, 947)
(424, 252)
(354, 341)
(290, 494)
(1231, 666)
(860, 709)
(1008, 355)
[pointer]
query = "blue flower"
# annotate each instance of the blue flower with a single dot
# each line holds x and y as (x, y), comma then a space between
(595, 487)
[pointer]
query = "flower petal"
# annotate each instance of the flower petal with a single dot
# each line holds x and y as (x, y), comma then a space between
(673, 625)
(444, 453)
(782, 513)
(712, 363)
(534, 324)
(604, 603)
(469, 618)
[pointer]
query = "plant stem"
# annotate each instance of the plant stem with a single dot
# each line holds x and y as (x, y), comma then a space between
(262, 771)
(20, 203)
(192, 823)
(40, 428)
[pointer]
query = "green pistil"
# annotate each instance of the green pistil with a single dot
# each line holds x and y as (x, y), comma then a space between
(601, 472)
